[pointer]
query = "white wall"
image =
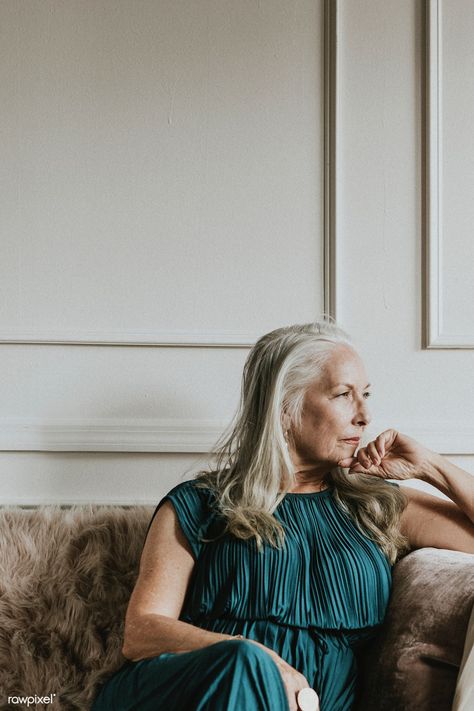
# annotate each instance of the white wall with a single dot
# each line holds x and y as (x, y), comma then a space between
(425, 393)
(164, 184)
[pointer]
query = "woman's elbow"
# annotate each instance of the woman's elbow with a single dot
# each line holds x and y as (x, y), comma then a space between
(143, 635)
(131, 634)
(129, 654)
(128, 651)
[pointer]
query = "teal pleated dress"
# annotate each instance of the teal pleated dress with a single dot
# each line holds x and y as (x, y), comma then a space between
(316, 602)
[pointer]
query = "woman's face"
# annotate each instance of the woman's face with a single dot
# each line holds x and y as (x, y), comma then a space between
(334, 413)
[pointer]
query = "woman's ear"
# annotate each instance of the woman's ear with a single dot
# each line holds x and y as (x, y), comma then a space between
(285, 421)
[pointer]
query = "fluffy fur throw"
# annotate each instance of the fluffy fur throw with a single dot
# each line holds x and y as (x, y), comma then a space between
(66, 576)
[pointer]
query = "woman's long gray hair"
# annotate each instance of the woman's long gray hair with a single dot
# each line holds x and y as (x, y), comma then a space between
(253, 470)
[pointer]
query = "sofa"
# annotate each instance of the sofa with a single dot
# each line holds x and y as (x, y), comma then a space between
(66, 574)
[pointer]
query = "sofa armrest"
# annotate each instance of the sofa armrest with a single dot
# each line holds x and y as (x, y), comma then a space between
(414, 661)
(464, 696)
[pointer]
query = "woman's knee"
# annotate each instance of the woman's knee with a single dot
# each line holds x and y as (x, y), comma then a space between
(258, 683)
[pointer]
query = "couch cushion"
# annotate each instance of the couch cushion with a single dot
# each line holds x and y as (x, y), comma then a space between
(464, 696)
(66, 576)
(414, 662)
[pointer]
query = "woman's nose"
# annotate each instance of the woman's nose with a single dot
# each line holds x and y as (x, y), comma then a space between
(362, 417)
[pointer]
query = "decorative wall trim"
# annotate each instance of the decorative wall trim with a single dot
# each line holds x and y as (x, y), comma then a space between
(175, 435)
(164, 339)
(433, 176)
(108, 435)
(35, 501)
(329, 188)
(433, 237)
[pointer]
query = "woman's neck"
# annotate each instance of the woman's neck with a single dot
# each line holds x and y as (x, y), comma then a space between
(309, 480)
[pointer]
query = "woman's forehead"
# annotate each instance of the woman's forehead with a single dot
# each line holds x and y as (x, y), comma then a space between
(343, 365)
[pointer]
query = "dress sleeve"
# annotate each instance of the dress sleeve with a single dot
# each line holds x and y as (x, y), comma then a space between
(191, 506)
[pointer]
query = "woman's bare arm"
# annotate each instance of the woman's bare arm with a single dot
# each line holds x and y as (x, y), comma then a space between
(453, 481)
(151, 622)
(427, 521)
(431, 522)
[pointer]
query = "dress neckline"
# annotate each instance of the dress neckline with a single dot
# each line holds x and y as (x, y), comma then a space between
(310, 493)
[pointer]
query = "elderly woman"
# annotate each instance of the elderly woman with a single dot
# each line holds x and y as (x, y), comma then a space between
(263, 577)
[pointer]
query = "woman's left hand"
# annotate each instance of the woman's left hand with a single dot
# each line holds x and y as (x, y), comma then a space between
(391, 455)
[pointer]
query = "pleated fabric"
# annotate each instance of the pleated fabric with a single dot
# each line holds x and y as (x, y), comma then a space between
(316, 602)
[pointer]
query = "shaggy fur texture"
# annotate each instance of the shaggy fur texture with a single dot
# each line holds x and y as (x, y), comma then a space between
(66, 576)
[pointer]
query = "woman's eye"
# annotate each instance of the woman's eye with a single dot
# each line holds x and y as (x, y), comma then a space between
(347, 393)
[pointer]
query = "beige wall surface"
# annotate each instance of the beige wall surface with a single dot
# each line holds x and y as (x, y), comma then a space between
(160, 157)
(163, 195)
(380, 230)
(456, 155)
(161, 207)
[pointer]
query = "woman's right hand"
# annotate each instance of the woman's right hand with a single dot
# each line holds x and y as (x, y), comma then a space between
(293, 680)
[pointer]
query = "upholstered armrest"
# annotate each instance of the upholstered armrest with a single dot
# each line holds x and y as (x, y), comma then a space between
(414, 662)
(464, 696)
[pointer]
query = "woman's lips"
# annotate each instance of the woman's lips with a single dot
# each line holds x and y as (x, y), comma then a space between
(355, 440)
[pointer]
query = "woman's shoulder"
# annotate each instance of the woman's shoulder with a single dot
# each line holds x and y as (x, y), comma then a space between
(193, 489)
(194, 496)
(192, 503)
